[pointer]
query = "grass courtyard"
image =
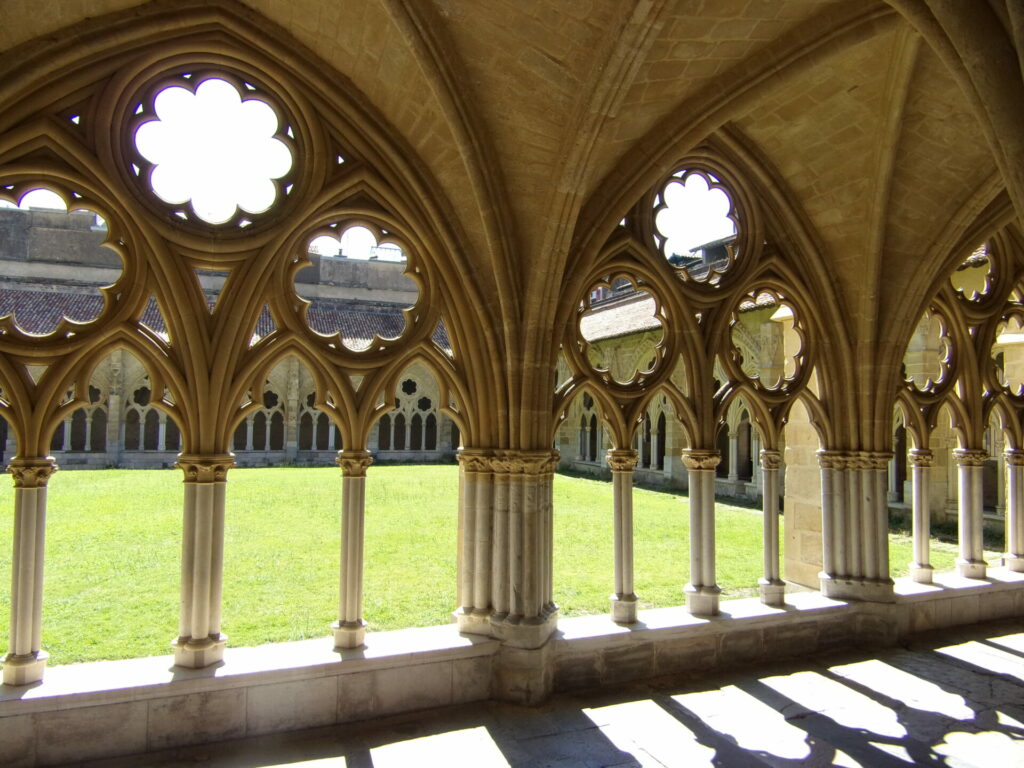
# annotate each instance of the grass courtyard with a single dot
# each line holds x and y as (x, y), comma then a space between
(114, 543)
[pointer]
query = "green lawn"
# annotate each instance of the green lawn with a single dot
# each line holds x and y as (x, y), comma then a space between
(114, 542)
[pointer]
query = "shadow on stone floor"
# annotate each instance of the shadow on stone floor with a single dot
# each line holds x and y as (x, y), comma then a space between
(950, 699)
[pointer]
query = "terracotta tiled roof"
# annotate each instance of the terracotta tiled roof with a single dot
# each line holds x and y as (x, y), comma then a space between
(358, 321)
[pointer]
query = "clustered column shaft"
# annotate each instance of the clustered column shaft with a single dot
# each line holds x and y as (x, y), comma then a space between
(350, 629)
(971, 562)
(505, 545)
(854, 525)
(702, 593)
(26, 661)
(622, 463)
(1014, 558)
(200, 642)
(773, 589)
(483, 510)
(921, 568)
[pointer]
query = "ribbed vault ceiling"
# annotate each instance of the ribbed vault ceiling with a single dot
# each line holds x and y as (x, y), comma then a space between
(524, 111)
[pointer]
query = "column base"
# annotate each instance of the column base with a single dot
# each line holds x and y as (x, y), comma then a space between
(25, 669)
(196, 654)
(522, 675)
(922, 574)
(971, 569)
(473, 622)
(624, 609)
(866, 590)
(349, 634)
(519, 632)
(702, 600)
(772, 592)
(1013, 563)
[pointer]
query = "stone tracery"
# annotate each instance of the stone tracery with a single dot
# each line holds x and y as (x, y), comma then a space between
(509, 322)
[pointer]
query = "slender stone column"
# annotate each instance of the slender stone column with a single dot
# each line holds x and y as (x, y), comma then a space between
(734, 458)
(1014, 557)
(523, 539)
(248, 432)
(622, 463)
(773, 588)
(921, 463)
(702, 593)
(476, 528)
(971, 562)
(161, 433)
(25, 660)
(350, 629)
(833, 519)
(200, 642)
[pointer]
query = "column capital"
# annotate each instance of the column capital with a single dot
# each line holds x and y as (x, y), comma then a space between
(970, 457)
(864, 460)
(32, 473)
(771, 459)
(622, 460)
(526, 462)
(474, 460)
(833, 459)
(354, 463)
(920, 457)
(205, 469)
(1013, 458)
(701, 458)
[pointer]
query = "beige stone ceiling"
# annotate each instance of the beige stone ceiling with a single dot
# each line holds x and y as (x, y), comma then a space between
(540, 103)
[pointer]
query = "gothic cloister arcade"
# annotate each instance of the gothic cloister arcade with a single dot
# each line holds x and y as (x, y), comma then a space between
(861, 270)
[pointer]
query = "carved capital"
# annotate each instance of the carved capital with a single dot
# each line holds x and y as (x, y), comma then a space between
(920, 457)
(205, 469)
(1014, 458)
(833, 459)
(870, 460)
(475, 461)
(32, 473)
(509, 462)
(354, 463)
(771, 459)
(970, 457)
(527, 462)
(696, 458)
(622, 460)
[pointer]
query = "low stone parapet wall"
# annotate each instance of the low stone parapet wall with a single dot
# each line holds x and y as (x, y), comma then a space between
(104, 709)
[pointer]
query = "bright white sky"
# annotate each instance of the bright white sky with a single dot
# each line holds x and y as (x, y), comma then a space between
(214, 149)
(695, 215)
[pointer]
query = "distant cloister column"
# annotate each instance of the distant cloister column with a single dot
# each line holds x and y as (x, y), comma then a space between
(734, 457)
(854, 525)
(622, 464)
(25, 660)
(773, 589)
(1014, 557)
(702, 593)
(971, 562)
(350, 629)
(921, 463)
(200, 642)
